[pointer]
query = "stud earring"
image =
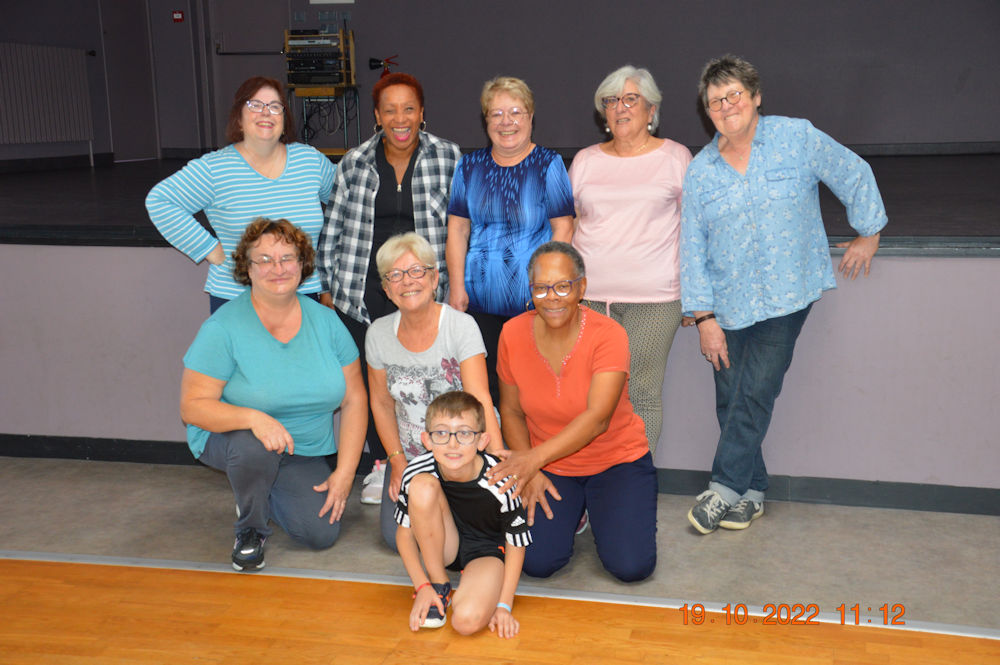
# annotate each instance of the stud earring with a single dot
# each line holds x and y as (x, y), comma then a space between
(649, 127)
(607, 130)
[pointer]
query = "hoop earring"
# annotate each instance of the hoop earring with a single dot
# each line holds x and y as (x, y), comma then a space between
(423, 125)
(378, 128)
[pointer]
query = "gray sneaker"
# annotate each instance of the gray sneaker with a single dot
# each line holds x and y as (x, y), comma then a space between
(741, 514)
(705, 516)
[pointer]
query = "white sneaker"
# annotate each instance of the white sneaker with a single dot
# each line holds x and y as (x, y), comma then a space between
(371, 486)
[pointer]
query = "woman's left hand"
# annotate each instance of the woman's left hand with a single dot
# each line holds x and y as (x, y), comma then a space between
(517, 466)
(503, 623)
(858, 255)
(337, 488)
(396, 478)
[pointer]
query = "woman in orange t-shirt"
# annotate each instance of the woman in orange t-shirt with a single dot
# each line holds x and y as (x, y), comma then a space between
(566, 416)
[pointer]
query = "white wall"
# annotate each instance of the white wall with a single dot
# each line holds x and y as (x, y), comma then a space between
(894, 377)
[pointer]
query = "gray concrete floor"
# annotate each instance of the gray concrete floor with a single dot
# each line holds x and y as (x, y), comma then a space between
(943, 568)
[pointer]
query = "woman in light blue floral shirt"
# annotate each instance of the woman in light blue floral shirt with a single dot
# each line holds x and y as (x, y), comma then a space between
(754, 257)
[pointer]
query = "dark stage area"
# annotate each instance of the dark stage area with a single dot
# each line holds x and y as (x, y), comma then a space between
(949, 200)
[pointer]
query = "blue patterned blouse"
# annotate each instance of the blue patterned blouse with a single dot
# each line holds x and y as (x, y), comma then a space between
(753, 247)
(509, 208)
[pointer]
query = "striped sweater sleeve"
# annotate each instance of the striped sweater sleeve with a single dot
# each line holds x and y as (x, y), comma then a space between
(173, 202)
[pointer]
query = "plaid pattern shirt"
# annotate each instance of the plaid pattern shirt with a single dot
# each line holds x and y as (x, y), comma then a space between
(345, 243)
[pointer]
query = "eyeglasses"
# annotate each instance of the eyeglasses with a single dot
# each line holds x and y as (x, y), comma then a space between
(465, 437)
(274, 108)
(515, 114)
(268, 262)
(733, 98)
(629, 100)
(561, 289)
(416, 272)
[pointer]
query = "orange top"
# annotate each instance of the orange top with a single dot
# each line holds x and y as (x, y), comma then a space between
(550, 401)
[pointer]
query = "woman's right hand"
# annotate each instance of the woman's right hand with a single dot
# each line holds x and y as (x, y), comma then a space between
(713, 344)
(271, 433)
(217, 256)
(458, 297)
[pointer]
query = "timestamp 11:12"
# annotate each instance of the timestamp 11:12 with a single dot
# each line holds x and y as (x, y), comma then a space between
(891, 615)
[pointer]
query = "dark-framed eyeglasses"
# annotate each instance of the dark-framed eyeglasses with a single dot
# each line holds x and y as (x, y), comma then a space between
(629, 100)
(274, 108)
(561, 289)
(733, 98)
(268, 262)
(465, 437)
(416, 272)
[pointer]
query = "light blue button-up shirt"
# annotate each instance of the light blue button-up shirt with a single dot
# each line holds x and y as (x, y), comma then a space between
(753, 247)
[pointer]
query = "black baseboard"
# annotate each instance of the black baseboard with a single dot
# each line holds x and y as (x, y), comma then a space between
(101, 159)
(104, 450)
(836, 491)
(846, 492)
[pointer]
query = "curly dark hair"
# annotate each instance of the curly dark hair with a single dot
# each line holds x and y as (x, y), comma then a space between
(246, 91)
(283, 229)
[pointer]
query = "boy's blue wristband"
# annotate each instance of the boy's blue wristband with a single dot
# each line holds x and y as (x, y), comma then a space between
(505, 606)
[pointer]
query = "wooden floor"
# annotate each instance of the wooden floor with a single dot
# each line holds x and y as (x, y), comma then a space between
(82, 613)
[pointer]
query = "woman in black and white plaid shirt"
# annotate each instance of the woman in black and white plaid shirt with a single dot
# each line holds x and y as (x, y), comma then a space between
(395, 182)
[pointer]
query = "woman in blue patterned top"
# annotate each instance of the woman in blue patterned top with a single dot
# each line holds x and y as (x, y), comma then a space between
(263, 173)
(754, 257)
(506, 200)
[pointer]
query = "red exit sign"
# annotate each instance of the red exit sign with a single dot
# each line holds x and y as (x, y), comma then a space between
(177, 15)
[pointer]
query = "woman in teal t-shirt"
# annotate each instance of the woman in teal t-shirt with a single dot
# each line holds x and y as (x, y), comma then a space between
(261, 382)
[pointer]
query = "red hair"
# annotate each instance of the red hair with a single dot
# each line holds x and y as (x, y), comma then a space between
(397, 78)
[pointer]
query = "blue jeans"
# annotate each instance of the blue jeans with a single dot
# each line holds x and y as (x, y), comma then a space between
(269, 486)
(621, 501)
(745, 393)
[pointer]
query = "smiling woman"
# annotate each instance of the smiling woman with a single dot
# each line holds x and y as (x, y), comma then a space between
(397, 181)
(261, 382)
(506, 200)
(421, 351)
(577, 445)
(627, 193)
(262, 173)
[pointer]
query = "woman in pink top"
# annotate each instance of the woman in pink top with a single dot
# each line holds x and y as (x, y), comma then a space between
(628, 211)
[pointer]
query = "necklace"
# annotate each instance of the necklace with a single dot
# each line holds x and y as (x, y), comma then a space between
(614, 146)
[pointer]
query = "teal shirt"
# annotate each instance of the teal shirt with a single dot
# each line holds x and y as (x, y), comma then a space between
(300, 383)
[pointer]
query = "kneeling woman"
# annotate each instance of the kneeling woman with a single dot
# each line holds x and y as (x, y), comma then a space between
(566, 415)
(420, 351)
(261, 382)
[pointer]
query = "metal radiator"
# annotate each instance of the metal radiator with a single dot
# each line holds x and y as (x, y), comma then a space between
(44, 95)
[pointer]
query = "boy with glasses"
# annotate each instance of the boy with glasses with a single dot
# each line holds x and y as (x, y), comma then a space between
(451, 518)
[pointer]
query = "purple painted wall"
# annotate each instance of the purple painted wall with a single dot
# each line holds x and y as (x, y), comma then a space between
(889, 382)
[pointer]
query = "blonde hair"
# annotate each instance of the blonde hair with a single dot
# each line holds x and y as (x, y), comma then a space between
(400, 244)
(514, 87)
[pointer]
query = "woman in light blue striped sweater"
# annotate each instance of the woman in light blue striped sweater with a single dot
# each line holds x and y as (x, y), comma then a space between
(262, 173)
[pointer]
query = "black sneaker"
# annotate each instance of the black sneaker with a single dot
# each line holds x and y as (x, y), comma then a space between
(248, 551)
(436, 619)
(709, 511)
(741, 514)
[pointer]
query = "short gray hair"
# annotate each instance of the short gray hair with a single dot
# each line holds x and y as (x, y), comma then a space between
(400, 244)
(557, 247)
(725, 69)
(614, 83)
